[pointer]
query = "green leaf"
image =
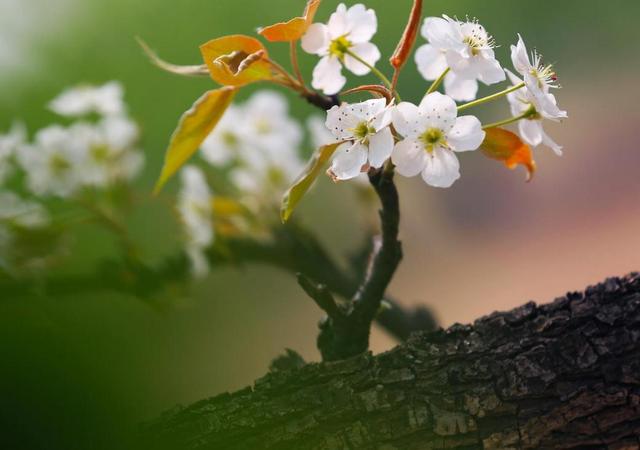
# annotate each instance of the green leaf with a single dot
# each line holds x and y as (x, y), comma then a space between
(194, 127)
(304, 182)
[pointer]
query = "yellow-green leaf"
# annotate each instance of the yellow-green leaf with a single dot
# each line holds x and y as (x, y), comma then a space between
(187, 71)
(293, 29)
(236, 60)
(194, 127)
(305, 181)
(503, 145)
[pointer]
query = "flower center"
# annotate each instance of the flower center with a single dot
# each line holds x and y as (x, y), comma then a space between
(545, 75)
(263, 126)
(100, 153)
(339, 47)
(230, 139)
(432, 138)
(58, 164)
(363, 130)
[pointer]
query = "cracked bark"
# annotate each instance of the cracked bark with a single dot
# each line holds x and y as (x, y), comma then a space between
(560, 376)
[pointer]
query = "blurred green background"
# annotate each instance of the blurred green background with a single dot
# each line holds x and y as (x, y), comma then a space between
(81, 372)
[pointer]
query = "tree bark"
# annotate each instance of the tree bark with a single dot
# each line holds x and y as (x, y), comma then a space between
(560, 376)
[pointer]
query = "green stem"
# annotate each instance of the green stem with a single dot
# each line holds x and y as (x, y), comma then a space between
(375, 71)
(436, 84)
(490, 98)
(508, 121)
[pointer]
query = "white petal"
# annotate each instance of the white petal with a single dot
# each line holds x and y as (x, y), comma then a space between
(513, 78)
(546, 140)
(466, 135)
(327, 76)
(442, 33)
(489, 71)
(368, 52)
(407, 120)
(363, 23)
(348, 160)
(316, 40)
(409, 157)
(431, 62)
(547, 105)
(531, 132)
(341, 121)
(338, 24)
(442, 169)
(460, 89)
(439, 111)
(520, 57)
(380, 147)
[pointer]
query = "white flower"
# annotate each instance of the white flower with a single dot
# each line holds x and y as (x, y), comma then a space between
(18, 212)
(52, 163)
(109, 151)
(266, 123)
(464, 47)
(196, 211)
(106, 100)
(365, 127)
(538, 78)
(524, 102)
(433, 133)
(260, 125)
(348, 30)
(266, 176)
(224, 143)
(9, 144)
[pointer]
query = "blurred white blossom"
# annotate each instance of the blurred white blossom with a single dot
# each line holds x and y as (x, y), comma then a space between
(195, 201)
(105, 100)
(22, 213)
(9, 144)
(52, 163)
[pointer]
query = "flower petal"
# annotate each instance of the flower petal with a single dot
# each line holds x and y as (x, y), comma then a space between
(520, 57)
(431, 62)
(460, 89)
(409, 157)
(316, 40)
(531, 131)
(368, 52)
(363, 23)
(327, 76)
(338, 24)
(407, 120)
(380, 147)
(341, 121)
(348, 160)
(442, 168)
(439, 111)
(442, 33)
(546, 140)
(490, 71)
(466, 135)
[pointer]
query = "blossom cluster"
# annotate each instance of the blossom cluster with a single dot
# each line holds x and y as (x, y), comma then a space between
(425, 138)
(95, 152)
(256, 150)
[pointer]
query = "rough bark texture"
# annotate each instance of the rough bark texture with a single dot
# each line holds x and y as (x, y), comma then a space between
(560, 376)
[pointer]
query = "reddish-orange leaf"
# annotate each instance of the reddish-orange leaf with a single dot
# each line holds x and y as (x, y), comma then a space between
(236, 60)
(193, 128)
(293, 29)
(403, 49)
(503, 145)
